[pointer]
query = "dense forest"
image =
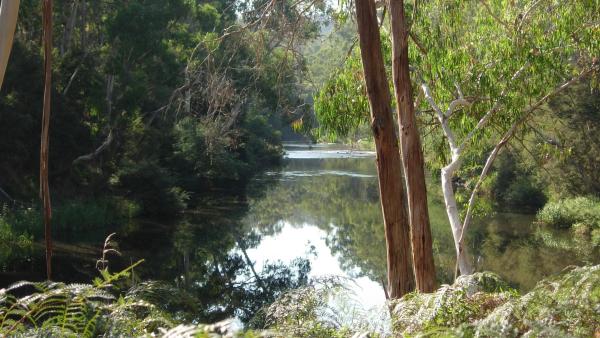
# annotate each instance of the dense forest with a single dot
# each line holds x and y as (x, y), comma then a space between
(268, 168)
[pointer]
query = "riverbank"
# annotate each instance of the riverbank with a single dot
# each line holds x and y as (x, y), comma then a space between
(479, 305)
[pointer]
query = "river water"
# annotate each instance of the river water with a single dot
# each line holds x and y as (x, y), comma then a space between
(323, 206)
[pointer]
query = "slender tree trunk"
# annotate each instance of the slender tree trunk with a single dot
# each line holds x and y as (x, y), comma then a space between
(412, 154)
(44, 185)
(391, 189)
(463, 261)
(9, 11)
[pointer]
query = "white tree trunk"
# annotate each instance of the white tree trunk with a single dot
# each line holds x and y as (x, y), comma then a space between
(9, 11)
(464, 262)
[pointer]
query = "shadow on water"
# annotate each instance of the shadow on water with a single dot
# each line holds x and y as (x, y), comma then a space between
(317, 215)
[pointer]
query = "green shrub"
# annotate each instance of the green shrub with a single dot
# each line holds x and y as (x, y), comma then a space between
(571, 224)
(13, 245)
(71, 217)
(152, 187)
(523, 193)
(564, 214)
(515, 186)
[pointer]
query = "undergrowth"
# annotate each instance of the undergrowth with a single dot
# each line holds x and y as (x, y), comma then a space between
(478, 305)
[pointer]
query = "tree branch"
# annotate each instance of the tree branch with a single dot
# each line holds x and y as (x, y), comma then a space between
(505, 138)
(95, 153)
(485, 119)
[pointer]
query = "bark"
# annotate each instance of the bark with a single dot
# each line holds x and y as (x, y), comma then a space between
(412, 153)
(9, 11)
(391, 189)
(44, 184)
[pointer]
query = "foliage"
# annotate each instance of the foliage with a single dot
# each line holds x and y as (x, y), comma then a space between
(15, 244)
(477, 47)
(470, 298)
(310, 311)
(567, 213)
(72, 217)
(479, 305)
(565, 144)
(341, 104)
(579, 218)
(154, 100)
(564, 305)
(482, 305)
(71, 310)
(499, 59)
(515, 186)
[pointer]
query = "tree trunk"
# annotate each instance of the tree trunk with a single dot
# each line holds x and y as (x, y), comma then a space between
(45, 137)
(9, 11)
(463, 261)
(391, 189)
(412, 154)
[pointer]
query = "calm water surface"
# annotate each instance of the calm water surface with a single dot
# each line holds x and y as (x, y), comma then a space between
(321, 205)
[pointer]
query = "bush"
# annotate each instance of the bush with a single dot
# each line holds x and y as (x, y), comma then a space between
(153, 187)
(523, 193)
(13, 245)
(516, 187)
(565, 214)
(70, 217)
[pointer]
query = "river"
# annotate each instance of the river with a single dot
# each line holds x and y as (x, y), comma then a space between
(321, 206)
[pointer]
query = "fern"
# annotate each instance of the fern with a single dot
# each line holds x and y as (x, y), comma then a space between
(67, 309)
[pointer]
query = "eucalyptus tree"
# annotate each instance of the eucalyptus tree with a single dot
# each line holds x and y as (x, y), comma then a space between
(412, 153)
(483, 69)
(391, 188)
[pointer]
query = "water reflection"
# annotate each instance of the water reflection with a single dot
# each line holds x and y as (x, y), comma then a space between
(338, 195)
(317, 215)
